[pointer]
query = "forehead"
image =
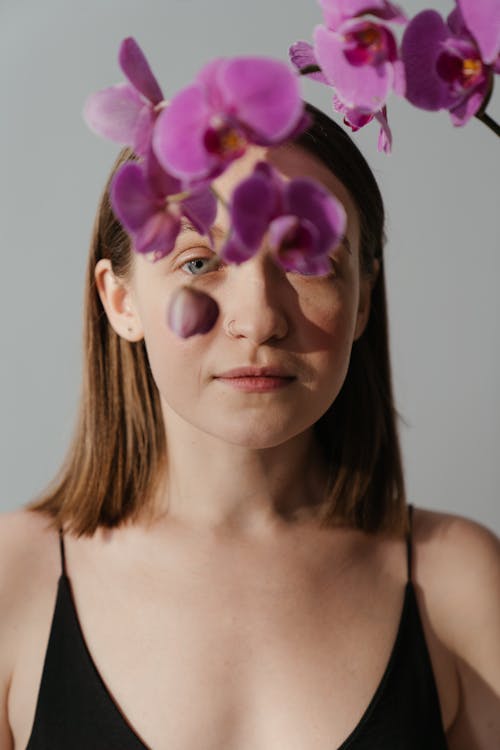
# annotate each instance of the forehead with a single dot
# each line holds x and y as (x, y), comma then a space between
(290, 161)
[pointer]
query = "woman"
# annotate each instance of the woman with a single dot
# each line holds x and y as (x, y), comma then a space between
(238, 564)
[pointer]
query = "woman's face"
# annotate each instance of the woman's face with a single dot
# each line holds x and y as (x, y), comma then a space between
(303, 324)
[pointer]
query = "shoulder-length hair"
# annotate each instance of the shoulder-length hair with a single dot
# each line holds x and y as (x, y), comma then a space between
(117, 456)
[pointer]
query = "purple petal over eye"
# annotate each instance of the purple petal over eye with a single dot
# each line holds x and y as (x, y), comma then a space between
(482, 18)
(157, 235)
(264, 94)
(253, 203)
(308, 200)
(294, 242)
(135, 66)
(117, 113)
(201, 209)
(234, 251)
(191, 312)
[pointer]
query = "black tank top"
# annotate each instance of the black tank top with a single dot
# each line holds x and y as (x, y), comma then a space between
(75, 710)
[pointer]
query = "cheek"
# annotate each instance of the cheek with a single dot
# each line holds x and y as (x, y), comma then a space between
(329, 315)
(170, 357)
(327, 337)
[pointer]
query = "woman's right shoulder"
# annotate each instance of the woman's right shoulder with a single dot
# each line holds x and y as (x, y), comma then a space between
(28, 563)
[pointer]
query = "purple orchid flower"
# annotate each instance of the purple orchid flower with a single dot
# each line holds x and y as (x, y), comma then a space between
(450, 64)
(149, 203)
(126, 113)
(232, 103)
(303, 220)
(360, 60)
(303, 56)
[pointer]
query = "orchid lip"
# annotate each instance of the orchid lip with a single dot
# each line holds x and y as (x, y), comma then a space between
(255, 372)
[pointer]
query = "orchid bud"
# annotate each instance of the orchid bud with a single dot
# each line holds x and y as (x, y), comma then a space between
(191, 312)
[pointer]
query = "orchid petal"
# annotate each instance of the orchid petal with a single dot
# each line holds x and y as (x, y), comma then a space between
(162, 183)
(201, 209)
(364, 86)
(302, 56)
(135, 66)
(132, 199)
(234, 251)
(157, 235)
(399, 83)
(307, 199)
(264, 94)
(294, 244)
(337, 11)
(482, 18)
(178, 135)
(467, 107)
(117, 113)
(385, 135)
(253, 204)
(421, 46)
(208, 77)
(191, 312)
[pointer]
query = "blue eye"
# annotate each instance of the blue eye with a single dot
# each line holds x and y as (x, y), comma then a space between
(195, 265)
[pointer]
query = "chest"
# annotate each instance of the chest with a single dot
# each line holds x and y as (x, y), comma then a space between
(233, 666)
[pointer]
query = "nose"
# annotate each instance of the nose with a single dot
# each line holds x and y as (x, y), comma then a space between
(255, 302)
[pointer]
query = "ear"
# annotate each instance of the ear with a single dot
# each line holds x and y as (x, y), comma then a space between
(117, 301)
(365, 292)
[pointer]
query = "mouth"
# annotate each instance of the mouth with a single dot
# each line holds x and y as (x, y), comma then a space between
(257, 372)
(249, 378)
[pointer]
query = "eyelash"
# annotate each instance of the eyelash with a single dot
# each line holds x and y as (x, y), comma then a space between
(333, 271)
(193, 260)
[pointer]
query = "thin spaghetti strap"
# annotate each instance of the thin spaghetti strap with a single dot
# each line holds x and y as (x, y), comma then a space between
(409, 541)
(63, 557)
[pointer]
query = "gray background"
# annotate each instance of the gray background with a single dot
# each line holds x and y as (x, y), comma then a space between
(442, 259)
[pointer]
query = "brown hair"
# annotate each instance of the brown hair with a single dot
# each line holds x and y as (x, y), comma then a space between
(118, 452)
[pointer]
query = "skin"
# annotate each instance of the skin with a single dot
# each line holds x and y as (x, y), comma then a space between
(254, 453)
(307, 617)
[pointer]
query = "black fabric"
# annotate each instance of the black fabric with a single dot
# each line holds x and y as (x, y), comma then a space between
(75, 710)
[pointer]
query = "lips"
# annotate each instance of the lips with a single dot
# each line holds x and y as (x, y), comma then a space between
(256, 372)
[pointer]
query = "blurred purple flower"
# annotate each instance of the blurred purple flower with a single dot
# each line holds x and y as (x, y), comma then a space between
(126, 113)
(232, 103)
(450, 65)
(303, 220)
(191, 312)
(149, 203)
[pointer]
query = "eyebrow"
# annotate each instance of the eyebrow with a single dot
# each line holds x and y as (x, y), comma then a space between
(186, 226)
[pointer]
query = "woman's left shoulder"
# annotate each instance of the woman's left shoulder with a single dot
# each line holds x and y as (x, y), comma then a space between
(457, 569)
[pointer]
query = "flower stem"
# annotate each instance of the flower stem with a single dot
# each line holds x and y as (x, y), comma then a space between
(488, 121)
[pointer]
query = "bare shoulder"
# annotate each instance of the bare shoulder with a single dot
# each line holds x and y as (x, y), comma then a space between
(27, 563)
(457, 563)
